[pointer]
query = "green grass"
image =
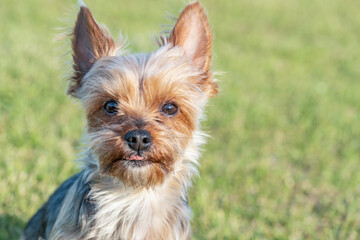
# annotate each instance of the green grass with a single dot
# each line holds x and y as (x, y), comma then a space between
(284, 158)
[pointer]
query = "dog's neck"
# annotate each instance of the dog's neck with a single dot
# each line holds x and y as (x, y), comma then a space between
(142, 213)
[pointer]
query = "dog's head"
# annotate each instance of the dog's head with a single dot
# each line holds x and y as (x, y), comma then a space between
(142, 110)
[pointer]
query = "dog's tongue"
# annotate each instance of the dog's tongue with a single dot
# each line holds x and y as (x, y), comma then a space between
(136, 157)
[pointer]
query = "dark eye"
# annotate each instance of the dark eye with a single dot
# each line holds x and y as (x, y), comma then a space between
(169, 109)
(111, 107)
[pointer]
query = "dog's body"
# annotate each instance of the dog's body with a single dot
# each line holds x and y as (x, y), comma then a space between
(143, 113)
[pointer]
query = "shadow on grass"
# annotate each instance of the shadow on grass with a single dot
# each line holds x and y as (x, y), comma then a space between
(10, 227)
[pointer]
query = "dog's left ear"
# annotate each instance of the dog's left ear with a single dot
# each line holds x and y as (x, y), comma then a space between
(192, 32)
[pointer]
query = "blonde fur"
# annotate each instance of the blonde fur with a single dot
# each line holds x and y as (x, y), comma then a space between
(158, 212)
(116, 197)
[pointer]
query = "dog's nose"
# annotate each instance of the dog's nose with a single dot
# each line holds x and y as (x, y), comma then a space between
(138, 140)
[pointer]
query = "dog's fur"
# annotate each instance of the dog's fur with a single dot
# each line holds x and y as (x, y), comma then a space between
(122, 193)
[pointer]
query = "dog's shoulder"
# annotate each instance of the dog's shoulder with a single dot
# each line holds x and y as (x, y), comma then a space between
(42, 222)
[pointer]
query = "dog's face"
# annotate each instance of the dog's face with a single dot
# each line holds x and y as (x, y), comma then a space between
(142, 110)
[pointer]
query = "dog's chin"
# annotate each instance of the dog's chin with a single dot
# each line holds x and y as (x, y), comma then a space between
(137, 171)
(136, 163)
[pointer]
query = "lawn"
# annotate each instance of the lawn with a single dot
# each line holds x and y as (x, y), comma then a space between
(283, 161)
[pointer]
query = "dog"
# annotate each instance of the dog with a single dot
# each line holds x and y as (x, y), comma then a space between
(142, 136)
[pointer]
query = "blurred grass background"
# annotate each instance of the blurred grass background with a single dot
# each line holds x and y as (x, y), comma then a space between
(284, 158)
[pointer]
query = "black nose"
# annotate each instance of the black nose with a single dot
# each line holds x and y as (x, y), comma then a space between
(138, 140)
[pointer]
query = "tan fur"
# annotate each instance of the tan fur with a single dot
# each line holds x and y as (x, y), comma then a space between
(193, 33)
(150, 201)
(89, 43)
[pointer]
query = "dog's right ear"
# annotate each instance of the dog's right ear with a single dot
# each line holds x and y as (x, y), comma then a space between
(89, 43)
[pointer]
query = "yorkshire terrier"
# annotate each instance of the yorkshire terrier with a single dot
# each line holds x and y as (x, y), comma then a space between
(143, 136)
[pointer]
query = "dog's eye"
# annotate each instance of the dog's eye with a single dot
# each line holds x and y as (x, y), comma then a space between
(111, 107)
(169, 109)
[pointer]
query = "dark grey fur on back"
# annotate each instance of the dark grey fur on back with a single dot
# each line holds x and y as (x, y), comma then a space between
(41, 224)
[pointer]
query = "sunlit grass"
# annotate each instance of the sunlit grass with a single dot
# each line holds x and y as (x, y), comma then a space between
(283, 160)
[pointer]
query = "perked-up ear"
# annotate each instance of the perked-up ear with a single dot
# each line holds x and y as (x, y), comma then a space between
(89, 43)
(192, 32)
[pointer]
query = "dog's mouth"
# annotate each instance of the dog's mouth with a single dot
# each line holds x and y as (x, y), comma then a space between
(136, 160)
(136, 157)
